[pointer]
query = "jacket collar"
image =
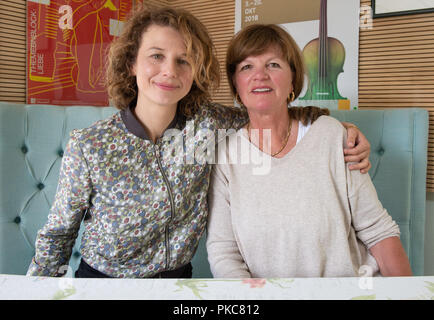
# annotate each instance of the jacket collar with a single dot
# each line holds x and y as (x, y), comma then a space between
(134, 126)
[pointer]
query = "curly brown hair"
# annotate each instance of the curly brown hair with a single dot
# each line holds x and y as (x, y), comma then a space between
(122, 85)
(256, 39)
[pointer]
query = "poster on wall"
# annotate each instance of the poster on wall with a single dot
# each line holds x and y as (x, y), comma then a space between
(67, 41)
(327, 32)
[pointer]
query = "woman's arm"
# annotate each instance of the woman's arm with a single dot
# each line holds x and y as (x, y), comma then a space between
(223, 253)
(375, 227)
(391, 258)
(55, 240)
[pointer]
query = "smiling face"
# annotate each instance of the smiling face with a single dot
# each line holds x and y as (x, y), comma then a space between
(162, 69)
(264, 82)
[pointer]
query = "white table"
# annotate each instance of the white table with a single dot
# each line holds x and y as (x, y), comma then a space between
(14, 287)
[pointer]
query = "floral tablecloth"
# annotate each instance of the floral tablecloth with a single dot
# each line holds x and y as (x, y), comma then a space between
(28, 288)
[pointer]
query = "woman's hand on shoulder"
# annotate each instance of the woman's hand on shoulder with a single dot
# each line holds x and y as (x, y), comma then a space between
(358, 149)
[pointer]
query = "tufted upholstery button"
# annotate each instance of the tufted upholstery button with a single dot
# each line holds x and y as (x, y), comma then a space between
(381, 151)
(17, 220)
(24, 149)
(77, 254)
(60, 153)
(40, 186)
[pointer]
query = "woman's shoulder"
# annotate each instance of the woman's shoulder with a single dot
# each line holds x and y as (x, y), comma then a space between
(98, 128)
(328, 122)
(328, 129)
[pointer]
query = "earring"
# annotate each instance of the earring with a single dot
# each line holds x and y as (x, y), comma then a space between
(291, 96)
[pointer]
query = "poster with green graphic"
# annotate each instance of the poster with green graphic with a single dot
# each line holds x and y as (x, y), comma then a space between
(327, 32)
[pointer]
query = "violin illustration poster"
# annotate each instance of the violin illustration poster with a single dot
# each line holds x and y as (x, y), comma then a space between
(66, 49)
(327, 32)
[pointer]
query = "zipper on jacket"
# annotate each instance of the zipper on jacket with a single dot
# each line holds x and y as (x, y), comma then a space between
(172, 205)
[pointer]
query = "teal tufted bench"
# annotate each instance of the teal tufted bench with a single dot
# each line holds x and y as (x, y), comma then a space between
(32, 139)
(398, 140)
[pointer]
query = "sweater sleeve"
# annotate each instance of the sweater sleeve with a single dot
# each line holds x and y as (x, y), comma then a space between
(228, 117)
(55, 240)
(370, 220)
(224, 255)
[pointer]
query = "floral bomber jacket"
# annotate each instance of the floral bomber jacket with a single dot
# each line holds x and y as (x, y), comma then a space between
(144, 204)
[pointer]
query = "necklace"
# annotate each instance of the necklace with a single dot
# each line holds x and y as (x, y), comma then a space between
(286, 138)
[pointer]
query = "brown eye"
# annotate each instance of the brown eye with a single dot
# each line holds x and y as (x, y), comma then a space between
(183, 62)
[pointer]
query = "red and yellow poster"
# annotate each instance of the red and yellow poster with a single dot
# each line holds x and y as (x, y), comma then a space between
(66, 50)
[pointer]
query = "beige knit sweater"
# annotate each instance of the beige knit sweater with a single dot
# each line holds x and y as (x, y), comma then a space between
(306, 215)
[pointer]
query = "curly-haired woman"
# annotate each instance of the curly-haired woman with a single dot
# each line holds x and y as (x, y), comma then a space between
(139, 179)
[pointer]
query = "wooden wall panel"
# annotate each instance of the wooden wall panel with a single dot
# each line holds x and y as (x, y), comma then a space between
(396, 68)
(13, 51)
